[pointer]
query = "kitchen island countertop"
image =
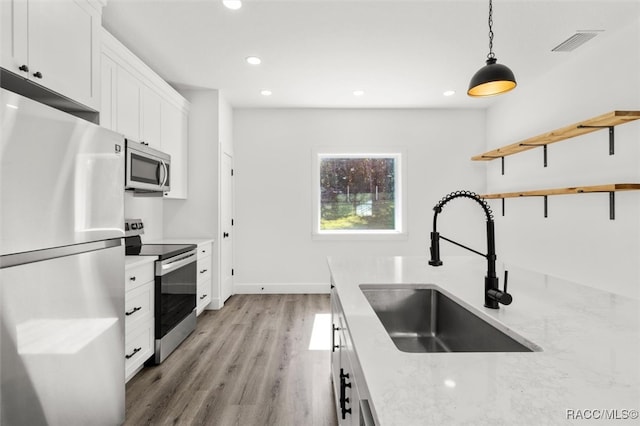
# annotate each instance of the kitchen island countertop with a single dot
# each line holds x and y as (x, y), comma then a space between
(590, 342)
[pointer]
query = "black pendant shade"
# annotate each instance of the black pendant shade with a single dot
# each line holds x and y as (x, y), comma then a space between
(492, 79)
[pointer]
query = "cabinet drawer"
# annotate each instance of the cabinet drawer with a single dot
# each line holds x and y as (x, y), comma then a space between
(204, 269)
(204, 250)
(138, 275)
(138, 347)
(204, 295)
(138, 305)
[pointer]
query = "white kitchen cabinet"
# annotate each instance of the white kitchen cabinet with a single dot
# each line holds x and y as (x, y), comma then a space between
(204, 276)
(145, 108)
(150, 118)
(128, 104)
(108, 93)
(54, 44)
(350, 391)
(175, 143)
(139, 313)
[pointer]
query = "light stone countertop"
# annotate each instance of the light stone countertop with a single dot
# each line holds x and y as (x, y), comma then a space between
(196, 241)
(590, 358)
(133, 261)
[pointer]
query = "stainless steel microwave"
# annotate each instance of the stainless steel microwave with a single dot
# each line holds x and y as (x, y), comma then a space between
(147, 170)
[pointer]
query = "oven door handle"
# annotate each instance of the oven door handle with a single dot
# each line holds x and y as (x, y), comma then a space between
(170, 265)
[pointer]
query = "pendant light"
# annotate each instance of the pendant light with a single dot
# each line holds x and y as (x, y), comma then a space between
(493, 78)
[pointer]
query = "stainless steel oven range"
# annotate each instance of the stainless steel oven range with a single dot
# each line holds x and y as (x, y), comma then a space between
(175, 288)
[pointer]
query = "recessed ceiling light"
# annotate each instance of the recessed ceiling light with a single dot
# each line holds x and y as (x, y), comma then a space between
(253, 60)
(358, 92)
(266, 92)
(232, 4)
(449, 93)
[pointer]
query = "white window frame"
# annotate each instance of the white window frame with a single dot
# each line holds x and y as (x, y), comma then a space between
(400, 231)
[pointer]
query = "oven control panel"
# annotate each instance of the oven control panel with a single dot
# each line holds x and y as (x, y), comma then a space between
(133, 227)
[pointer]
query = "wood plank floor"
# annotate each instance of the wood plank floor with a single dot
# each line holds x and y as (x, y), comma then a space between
(246, 364)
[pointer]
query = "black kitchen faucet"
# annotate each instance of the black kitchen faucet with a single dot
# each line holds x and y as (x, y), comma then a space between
(492, 293)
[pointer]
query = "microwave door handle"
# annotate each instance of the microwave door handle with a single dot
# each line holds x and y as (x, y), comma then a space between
(158, 173)
(166, 173)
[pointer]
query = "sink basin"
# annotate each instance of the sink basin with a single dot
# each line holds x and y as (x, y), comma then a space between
(422, 318)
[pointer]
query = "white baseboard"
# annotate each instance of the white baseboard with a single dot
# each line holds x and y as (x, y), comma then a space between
(281, 288)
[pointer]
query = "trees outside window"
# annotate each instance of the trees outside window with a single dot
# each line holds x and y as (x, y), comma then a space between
(358, 193)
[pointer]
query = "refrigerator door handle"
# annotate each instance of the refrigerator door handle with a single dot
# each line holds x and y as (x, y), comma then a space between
(16, 259)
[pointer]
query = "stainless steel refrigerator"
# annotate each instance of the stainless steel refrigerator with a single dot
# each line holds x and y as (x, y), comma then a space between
(61, 268)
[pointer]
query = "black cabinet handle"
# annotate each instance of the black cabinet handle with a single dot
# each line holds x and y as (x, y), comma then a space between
(133, 311)
(203, 296)
(37, 74)
(24, 68)
(203, 271)
(343, 391)
(225, 234)
(135, 351)
(333, 339)
(132, 278)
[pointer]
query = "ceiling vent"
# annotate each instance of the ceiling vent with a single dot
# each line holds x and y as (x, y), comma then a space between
(575, 41)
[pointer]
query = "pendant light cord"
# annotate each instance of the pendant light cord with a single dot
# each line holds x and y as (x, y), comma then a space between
(491, 55)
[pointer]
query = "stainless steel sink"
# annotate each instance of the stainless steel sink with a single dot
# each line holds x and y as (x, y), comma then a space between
(422, 318)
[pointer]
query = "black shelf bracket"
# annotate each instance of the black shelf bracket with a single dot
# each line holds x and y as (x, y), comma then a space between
(612, 137)
(612, 205)
(544, 151)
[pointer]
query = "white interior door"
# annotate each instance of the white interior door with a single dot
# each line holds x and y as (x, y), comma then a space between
(226, 228)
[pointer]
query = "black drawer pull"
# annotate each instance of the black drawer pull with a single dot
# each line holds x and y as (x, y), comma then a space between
(24, 68)
(203, 296)
(133, 311)
(132, 278)
(37, 74)
(203, 271)
(135, 351)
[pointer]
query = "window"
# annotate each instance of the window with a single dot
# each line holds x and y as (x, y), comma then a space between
(358, 194)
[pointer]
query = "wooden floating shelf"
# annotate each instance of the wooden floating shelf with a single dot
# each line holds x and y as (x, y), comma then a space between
(614, 187)
(611, 189)
(607, 120)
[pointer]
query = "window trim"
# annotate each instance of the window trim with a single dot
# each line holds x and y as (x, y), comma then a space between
(400, 233)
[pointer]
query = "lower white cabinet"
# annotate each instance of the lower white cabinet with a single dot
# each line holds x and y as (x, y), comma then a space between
(139, 313)
(204, 276)
(350, 390)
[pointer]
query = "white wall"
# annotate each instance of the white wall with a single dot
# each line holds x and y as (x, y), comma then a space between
(577, 241)
(272, 162)
(149, 209)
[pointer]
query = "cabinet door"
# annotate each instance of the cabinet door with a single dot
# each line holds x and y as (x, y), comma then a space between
(63, 48)
(128, 104)
(14, 36)
(175, 143)
(150, 118)
(108, 93)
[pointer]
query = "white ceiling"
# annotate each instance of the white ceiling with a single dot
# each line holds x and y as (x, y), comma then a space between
(403, 54)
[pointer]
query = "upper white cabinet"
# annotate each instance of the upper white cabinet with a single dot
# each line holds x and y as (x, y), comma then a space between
(139, 104)
(174, 135)
(150, 118)
(127, 105)
(54, 44)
